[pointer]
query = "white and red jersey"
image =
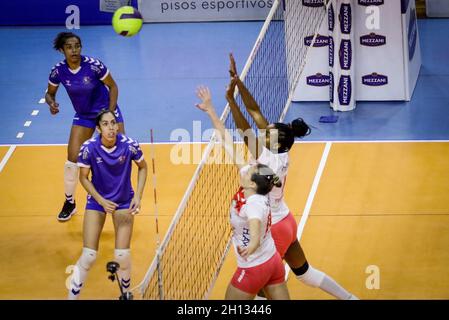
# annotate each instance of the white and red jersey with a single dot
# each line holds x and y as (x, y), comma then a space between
(278, 162)
(242, 210)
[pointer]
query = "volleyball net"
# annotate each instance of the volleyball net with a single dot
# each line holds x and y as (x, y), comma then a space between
(193, 250)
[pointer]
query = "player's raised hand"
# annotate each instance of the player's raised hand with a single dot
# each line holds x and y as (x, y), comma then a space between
(231, 89)
(232, 67)
(203, 93)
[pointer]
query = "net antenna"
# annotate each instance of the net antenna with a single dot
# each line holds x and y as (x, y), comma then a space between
(196, 243)
(156, 216)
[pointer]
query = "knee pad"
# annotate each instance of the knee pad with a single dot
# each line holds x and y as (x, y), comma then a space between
(123, 257)
(312, 277)
(87, 258)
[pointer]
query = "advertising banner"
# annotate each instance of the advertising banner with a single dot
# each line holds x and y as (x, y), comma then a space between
(412, 50)
(204, 10)
(385, 49)
(379, 56)
(341, 56)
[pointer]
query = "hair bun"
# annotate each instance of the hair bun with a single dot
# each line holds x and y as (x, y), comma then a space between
(300, 128)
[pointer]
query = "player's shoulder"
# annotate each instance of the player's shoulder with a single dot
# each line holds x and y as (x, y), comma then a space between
(123, 139)
(93, 63)
(59, 65)
(129, 143)
(257, 199)
(90, 144)
(56, 69)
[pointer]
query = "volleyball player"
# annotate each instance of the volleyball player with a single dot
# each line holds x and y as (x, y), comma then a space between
(109, 156)
(259, 264)
(91, 88)
(271, 148)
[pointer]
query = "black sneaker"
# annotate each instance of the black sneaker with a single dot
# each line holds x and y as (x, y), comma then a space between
(67, 211)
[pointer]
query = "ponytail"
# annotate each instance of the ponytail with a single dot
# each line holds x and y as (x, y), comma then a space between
(300, 128)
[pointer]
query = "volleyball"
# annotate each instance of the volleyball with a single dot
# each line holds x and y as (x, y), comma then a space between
(127, 21)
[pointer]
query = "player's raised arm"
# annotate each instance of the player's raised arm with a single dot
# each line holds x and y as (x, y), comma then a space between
(250, 103)
(246, 132)
(206, 105)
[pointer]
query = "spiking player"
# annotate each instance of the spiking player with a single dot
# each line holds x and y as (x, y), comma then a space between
(91, 88)
(259, 264)
(272, 150)
(109, 156)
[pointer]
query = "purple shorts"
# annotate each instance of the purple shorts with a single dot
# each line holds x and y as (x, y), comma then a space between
(79, 120)
(92, 204)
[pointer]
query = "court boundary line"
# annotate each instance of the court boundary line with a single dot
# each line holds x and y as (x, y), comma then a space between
(311, 197)
(7, 156)
(206, 142)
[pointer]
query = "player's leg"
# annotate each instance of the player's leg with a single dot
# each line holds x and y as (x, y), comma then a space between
(233, 293)
(276, 288)
(284, 234)
(92, 227)
(285, 237)
(78, 135)
(277, 292)
(312, 277)
(123, 225)
(295, 256)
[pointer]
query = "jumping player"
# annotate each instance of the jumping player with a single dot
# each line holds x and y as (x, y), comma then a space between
(259, 264)
(271, 149)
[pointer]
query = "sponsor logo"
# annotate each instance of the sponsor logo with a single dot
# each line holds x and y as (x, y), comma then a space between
(412, 35)
(331, 17)
(345, 18)
(313, 3)
(344, 90)
(95, 69)
(374, 79)
(85, 153)
(318, 80)
(320, 41)
(121, 159)
(86, 80)
(367, 3)
(331, 87)
(331, 52)
(54, 72)
(246, 237)
(373, 40)
(345, 54)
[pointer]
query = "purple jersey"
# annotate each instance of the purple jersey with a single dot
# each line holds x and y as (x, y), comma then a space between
(111, 168)
(84, 86)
